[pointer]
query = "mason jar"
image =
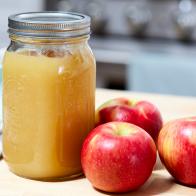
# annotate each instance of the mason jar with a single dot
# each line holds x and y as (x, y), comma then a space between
(48, 94)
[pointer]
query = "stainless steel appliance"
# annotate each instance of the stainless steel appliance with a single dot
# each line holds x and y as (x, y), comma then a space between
(159, 18)
(123, 60)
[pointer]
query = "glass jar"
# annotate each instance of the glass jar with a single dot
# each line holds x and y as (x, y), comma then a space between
(48, 94)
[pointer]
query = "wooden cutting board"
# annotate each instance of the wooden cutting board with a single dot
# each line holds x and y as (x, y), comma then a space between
(160, 182)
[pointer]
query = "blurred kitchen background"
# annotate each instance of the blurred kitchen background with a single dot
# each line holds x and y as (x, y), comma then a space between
(140, 45)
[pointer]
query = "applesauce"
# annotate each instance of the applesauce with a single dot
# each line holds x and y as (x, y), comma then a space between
(48, 105)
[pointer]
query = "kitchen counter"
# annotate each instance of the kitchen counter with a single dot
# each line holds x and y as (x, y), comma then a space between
(160, 182)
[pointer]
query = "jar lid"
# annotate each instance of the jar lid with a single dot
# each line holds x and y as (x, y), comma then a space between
(49, 24)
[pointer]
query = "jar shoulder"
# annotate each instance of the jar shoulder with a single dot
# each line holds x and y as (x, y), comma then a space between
(52, 50)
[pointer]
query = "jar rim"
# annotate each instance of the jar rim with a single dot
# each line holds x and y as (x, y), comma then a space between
(51, 24)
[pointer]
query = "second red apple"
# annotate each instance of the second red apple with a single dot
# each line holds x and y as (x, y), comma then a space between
(141, 113)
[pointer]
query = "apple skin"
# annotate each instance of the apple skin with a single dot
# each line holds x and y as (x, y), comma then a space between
(118, 157)
(141, 113)
(177, 149)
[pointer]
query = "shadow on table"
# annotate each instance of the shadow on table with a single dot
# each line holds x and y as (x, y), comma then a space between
(58, 180)
(190, 186)
(153, 186)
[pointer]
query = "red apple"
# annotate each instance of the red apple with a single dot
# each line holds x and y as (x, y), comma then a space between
(141, 113)
(177, 149)
(118, 157)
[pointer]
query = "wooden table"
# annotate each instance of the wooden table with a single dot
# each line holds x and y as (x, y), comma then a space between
(160, 182)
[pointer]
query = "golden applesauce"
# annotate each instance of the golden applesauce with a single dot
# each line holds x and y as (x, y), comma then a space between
(48, 108)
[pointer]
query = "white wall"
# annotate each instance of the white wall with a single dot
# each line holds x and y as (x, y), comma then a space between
(9, 7)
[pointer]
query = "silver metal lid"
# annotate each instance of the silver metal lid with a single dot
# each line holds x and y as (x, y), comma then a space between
(49, 24)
